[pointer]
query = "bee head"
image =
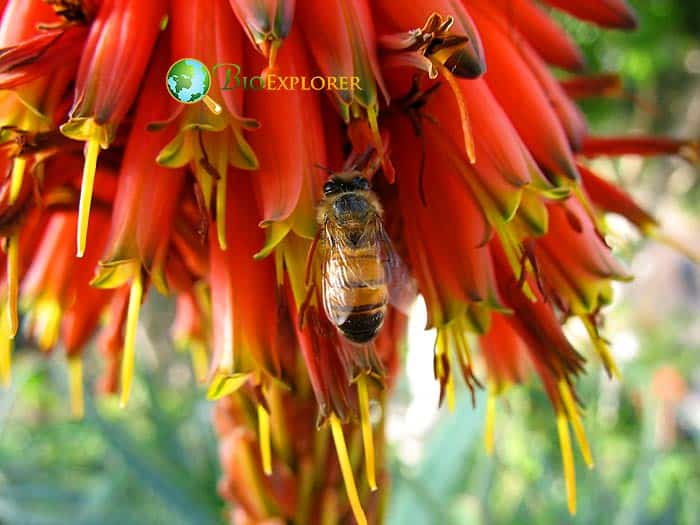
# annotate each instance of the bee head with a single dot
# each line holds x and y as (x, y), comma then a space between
(336, 185)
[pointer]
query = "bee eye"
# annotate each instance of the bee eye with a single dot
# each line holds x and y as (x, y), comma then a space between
(330, 187)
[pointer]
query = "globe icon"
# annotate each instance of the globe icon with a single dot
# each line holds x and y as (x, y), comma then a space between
(188, 80)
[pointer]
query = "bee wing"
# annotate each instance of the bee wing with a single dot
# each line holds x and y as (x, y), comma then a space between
(339, 276)
(400, 283)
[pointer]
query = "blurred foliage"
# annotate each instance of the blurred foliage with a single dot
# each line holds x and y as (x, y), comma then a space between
(155, 463)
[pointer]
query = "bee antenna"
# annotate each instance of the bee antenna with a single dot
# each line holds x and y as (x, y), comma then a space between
(324, 168)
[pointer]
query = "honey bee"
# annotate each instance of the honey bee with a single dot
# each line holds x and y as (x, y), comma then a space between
(360, 271)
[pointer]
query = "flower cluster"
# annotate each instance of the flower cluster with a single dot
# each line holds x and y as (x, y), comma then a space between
(111, 186)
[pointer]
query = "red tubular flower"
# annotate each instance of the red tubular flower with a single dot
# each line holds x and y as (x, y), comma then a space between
(267, 23)
(55, 291)
(531, 113)
(209, 142)
(644, 146)
(498, 224)
(553, 357)
(346, 30)
(607, 13)
(548, 39)
(467, 62)
(292, 145)
(584, 86)
(245, 296)
(28, 109)
(138, 243)
(108, 79)
(609, 198)
(34, 57)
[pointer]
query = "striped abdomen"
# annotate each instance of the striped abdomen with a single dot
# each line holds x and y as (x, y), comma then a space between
(361, 295)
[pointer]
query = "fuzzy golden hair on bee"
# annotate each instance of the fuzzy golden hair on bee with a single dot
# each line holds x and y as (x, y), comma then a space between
(348, 198)
(360, 273)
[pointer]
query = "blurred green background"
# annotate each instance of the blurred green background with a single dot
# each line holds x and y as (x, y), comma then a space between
(155, 463)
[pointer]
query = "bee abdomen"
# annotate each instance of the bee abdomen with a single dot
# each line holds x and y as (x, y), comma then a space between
(363, 325)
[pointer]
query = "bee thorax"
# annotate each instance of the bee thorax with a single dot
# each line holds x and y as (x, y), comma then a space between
(351, 206)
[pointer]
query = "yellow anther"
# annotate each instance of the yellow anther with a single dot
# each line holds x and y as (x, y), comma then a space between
(576, 423)
(264, 439)
(92, 150)
(19, 165)
(346, 470)
(12, 283)
(132, 319)
(221, 210)
(5, 353)
(75, 373)
(601, 348)
(567, 457)
(366, 423)
(490, 422)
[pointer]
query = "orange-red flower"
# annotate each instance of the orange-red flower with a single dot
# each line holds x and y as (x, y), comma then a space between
(480, 152)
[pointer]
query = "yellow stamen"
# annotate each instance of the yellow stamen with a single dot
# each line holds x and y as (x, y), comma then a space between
(12, 283)
(18, 166)
(212, 105)
(490, 422)
(575, 418)
(513, 250)
(5, 354)
(443, 349)
(264, 438)
(92, 150)
(601, 348)
(75, 372)
(346, 469)
(463, 113)
(450, 387)
(199, 360)
(374, 128)
(366, 423)
(675, 244)
(567, 457)
(48, 323)
(132, 319)
(272, 58)
(221, 210)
